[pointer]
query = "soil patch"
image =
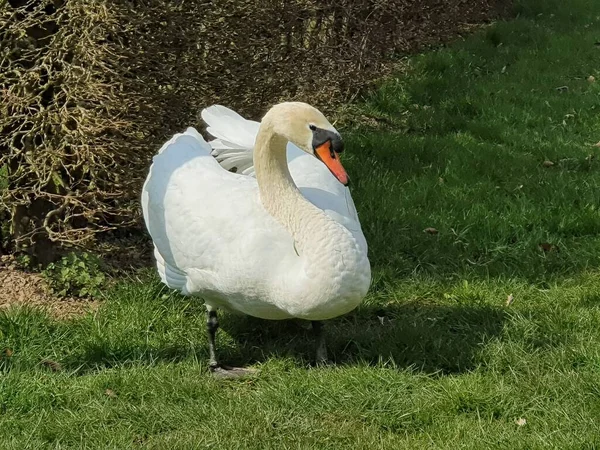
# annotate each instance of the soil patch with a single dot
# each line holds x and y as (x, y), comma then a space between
(29, 289)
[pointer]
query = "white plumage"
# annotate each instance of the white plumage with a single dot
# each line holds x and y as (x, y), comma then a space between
(218, 235)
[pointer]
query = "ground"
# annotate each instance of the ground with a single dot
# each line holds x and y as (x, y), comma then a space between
(21, 288)
(476, 181)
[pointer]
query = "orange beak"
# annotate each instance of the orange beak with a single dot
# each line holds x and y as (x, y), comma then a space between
(332, 160)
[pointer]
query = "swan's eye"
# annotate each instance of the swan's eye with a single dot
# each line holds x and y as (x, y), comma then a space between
(312, 127)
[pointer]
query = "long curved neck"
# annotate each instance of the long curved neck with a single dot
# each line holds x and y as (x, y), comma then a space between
(315, 235)
(278, 192)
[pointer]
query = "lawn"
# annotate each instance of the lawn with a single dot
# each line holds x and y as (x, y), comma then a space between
(491, 143)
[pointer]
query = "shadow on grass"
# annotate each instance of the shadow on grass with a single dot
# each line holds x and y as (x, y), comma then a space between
(427, 338)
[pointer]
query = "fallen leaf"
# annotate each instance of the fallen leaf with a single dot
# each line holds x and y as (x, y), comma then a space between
(521, 421)
(597, 144)
(52, 365)
(509, 300)
(547, 247)
(110, 393)
(431, 230)
(8, 352)
(591, 78)
(547, 163)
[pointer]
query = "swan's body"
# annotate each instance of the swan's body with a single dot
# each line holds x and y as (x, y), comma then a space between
(252, 241)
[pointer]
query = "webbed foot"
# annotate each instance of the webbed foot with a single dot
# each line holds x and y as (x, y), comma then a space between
(222, 371)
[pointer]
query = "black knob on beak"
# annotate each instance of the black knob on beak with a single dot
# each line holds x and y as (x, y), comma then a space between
(320, 136)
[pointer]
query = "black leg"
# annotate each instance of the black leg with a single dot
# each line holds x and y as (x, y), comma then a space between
(212, 325)
(320, 339)
(219, 370)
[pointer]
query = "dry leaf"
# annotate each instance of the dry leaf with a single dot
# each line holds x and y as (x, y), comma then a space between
(521, 421)
(52, 365)
(509, 300)
(110, 393)
(547, 247)
(8, 352)
(597, 144)
(547, 163)
(591, 79)
(431, 230)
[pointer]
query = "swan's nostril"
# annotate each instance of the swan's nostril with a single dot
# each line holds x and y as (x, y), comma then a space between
(330, 158)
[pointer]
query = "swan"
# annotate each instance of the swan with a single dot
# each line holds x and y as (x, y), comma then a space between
(259, 220)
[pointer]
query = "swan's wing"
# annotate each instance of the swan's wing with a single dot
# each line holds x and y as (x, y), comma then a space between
(190, 205)
(223, 123)
(233, 148)
(234, 138)
(323, 190)
(233, 145)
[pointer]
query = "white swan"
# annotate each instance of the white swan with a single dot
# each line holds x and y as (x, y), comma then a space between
(278, 239)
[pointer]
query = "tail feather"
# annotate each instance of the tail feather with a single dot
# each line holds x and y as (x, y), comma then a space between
(169, 275)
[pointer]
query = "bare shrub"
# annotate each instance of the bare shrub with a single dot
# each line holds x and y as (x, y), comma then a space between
(90, 88)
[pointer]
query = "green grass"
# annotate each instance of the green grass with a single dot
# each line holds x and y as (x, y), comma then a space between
(434, 358)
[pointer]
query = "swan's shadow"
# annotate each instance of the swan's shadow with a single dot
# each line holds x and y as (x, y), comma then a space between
(428, 338)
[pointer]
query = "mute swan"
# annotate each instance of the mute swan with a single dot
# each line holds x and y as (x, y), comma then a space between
(278, 239)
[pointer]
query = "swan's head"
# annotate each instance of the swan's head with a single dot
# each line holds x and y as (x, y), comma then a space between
(307, 128)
